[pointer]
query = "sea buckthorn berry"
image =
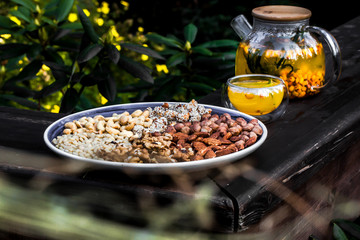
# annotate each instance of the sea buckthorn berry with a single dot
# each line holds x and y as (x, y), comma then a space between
(249, 95)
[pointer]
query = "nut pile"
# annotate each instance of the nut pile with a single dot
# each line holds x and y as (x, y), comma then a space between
(213, 136)
(167, 133)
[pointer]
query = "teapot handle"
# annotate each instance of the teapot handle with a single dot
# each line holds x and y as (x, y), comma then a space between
(335, 52)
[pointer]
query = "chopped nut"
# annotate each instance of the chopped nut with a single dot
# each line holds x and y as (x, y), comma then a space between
(210, 154)
(198, 145)
(211, 141)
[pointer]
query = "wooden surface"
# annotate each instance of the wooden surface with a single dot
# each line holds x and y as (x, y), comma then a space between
(309, 141)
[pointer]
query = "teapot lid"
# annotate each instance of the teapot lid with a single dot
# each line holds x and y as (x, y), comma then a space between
(281, 13)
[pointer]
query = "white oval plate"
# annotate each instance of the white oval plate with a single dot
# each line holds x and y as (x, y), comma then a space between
(56, 128)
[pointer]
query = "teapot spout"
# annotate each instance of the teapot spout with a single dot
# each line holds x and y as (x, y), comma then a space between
(241, 26)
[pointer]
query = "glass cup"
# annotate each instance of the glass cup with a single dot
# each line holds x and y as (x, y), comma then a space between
(262, 96)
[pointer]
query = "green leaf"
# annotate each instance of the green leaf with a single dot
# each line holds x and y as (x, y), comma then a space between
(69, 100)
(190, 32)
(61, 80)
(83, 104)
(220, 43)
(113, 53)
(225, 55)
(199, 86)
(26, 3)
(88, 27)
(89, 80)
(163, 40)
(52, 4)
(13, 63)
(6, 31)
(76, 77)
(18, 91)
(51, 8)
(63, 9)
(22, 101)
(31, 27)
(143, 50)
(22, 13)
(49, 21)
(136, 69)
(169, 51)
(6, 22)
(107, 88)
(11, 50)
(51, 55)
(68, 45)
(89, 52)
(72, 26)
(202, 51)
(33, 51)
(338, 233)
(58, 66)
(61, 33)
(176, 59)
(27, 73)
(349, 227)
(169, 89)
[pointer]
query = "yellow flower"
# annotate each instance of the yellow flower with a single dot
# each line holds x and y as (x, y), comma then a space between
(100, 21)
(103, 100)
(45, 68)
(6, 36)
(119, 38)
(15, 20)
(125, 4)
(87, 13)
(118, 47)
(105, 8)
(55, 109)
(140, 29)
(144, 57)
(114, 32)
(162, 68)
(187, 46)
(72, 17)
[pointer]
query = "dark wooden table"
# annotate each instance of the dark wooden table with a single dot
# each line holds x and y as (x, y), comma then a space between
(316, 143)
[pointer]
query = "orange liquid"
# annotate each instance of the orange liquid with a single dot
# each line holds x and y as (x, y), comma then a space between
(256, 97)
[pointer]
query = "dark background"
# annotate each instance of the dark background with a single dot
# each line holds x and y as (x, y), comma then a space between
(212, 17)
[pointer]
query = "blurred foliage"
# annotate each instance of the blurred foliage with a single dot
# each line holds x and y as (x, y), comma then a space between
(52, 54)
(345, 229)
(68, 55)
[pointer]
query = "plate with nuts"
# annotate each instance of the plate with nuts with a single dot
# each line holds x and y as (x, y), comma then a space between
(156, 137)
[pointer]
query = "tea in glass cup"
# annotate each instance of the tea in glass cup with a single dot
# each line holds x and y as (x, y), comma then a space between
(262, 96)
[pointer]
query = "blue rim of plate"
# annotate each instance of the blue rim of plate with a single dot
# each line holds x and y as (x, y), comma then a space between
(56, 128)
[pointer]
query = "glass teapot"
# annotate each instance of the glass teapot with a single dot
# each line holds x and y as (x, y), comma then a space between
(282, 43)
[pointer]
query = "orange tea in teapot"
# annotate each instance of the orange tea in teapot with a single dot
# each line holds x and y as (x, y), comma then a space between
(282, 43)
(302, 68)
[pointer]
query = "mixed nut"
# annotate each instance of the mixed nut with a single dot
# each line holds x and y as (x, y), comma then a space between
(169, 133)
